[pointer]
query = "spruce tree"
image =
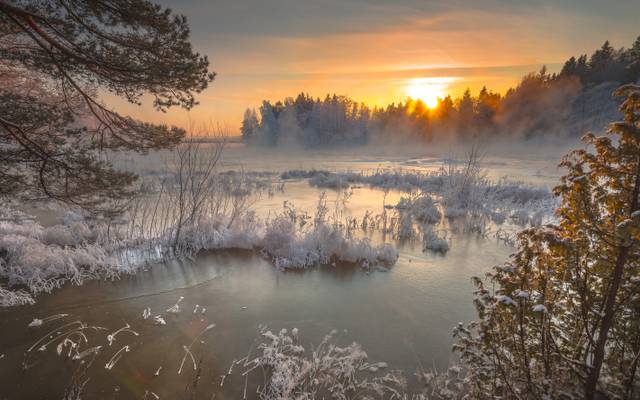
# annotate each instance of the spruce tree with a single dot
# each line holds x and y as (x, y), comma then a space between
(562, 316)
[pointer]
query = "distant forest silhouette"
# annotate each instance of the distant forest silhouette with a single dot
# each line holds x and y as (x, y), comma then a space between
(563, 103)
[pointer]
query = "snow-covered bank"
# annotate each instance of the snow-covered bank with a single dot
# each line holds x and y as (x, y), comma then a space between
(35, 259)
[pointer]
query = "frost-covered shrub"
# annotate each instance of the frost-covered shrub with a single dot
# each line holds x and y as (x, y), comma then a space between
(302, 174)
(279, 237)
(329, 371)
(218, 233)
(450, 385)
(330, 180)
(431, 241)
(292, 247)
(29, 229)
(11, 298)
(71, 217)
(406, 229)
(413, 214)
(37, 259)
(58, 235)
(422, 208)
(425, 210)
(245, 232)
(42, 267)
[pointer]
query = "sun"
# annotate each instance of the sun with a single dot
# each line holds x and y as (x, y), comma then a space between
(428, 89)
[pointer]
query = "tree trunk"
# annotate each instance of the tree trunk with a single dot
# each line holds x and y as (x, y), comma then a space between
(607, 321)
(609, 309)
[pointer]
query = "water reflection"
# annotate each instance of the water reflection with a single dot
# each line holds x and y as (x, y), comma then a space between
(402, 316)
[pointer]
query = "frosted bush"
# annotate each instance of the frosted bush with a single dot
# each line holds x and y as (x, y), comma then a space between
(71, 217)
(36, 259)
(422, 208)
(292, 247)
(279, 237)
(433, 242)
(217, 233)
(329, 180)
(29, 229)
(12, 298)
(405, 226)
(329, 371)
(451, 384)
(42, 267)
(245, 232)
(208, 234)
(425, 210)
(59, 235)
(302, 174)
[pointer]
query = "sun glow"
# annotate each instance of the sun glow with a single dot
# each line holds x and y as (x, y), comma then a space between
(428, 89)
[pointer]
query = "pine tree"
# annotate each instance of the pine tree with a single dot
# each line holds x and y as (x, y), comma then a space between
(249, 125)
(487, 108)
(601, 63)
(569, 67)
(633, 58)
(52, 136)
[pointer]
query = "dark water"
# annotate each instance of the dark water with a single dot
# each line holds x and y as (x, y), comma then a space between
(403, 316)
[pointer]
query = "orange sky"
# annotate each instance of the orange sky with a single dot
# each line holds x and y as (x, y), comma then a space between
(371, 50)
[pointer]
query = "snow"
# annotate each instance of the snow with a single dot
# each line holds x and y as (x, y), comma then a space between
(625, 223)
(175, 309)
(35, 323)
(523, 294)
(539, 308)
(506, 300)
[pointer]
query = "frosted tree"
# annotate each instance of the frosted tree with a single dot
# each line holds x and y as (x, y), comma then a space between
(562, 317)
(53, 129)
(602, 63)
(249, 126)
(633, 57)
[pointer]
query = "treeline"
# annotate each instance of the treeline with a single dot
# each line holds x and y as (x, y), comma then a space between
(542, 103)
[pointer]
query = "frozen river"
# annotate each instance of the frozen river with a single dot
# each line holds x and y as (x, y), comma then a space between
(403, 316)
